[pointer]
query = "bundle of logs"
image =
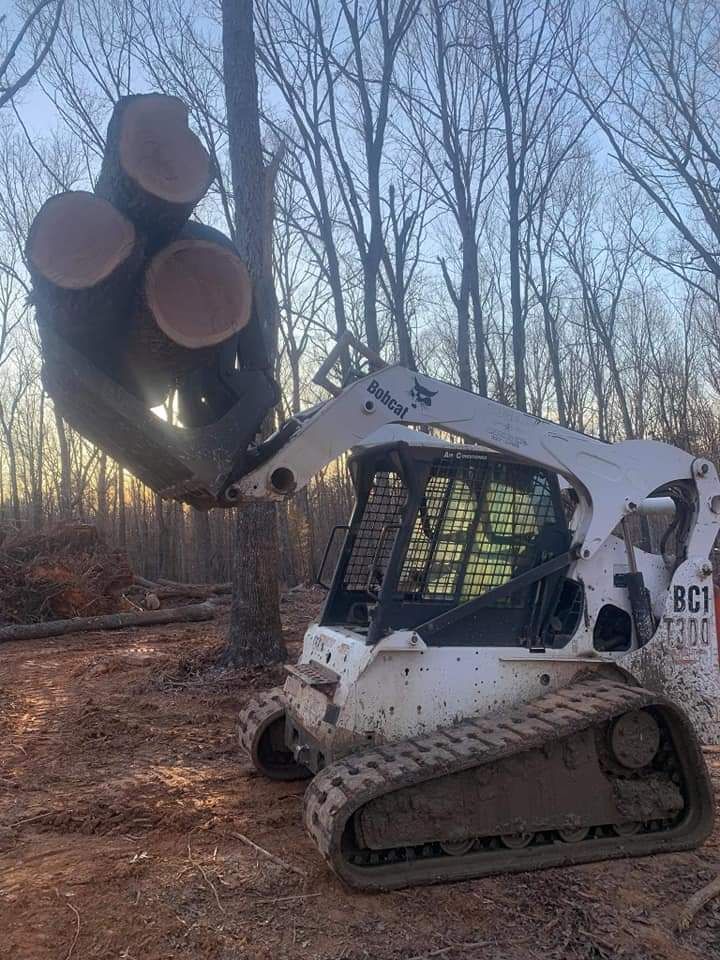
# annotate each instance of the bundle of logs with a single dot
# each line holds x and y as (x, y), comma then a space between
(122, 275)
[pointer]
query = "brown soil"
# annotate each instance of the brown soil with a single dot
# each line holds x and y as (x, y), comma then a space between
(122, 796)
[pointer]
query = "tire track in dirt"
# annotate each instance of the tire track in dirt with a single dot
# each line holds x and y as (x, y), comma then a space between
(123, 746)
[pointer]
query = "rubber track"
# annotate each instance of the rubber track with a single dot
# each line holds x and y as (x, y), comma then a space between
(257, 714)
(342, 788)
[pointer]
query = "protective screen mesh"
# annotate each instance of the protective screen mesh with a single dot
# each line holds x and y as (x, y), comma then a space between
(476, 529)
(376, 534)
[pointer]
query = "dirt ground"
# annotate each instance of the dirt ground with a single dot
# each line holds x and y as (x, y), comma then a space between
(125, 812)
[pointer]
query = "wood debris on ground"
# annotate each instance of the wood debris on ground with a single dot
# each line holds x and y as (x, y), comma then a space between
(68, 572)
(65, 571)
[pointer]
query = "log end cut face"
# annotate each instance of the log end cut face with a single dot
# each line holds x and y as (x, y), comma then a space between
(78, 239)
(159, 151)
(198, 292)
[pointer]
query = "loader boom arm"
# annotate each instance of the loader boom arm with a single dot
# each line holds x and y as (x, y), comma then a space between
(610, 479)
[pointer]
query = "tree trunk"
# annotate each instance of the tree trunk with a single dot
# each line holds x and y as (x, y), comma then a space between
(371, 265)
(162, 537)
(255, 635)
(64, 497)
(102, 497)
(516, 305)
(553, 342)
(122, 513)
(478, 327)
(202, 545)
(463, 334)
(14, 489)
(39, 488)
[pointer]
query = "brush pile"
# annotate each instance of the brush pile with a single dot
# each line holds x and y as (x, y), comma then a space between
(63, 572)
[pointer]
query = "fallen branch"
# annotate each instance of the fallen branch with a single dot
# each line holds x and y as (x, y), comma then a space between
(77, 930)
(297, 896)
(696, 902)
(206, 587)
(165, 589)
(205, 877)
(192, 613)
(144, 582)
(38, 816)
(270, 856)
(135, 606)
(187, 590)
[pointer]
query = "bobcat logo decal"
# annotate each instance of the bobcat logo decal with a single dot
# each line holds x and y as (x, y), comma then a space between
(421, 396)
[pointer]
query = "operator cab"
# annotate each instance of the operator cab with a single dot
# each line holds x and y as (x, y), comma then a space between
(435, 528)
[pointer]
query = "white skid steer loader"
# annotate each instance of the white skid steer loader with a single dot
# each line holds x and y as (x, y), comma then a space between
(505, 676)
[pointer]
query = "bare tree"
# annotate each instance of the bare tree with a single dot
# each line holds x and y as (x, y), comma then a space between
(539, 256)
(335, 68)
(303, 297)
(529, 51)
(596, 241)
(287, 53)
(655, 94)
(255, 635)
(22, 52)
(408, 206)
(451, 109)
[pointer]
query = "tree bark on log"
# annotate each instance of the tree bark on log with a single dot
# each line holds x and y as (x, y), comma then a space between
(192, 613)
(196, 296)
(191, 592)
(166, 589)
(217, 588)
(85, 259)
(255, 634)
(155, 169)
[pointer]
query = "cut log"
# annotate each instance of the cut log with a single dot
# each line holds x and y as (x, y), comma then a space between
(85, 260)
(167, 589)
(155, 169)
(198, 289)
(197, 297)
(77, 240)
(192, 613)
(207, 587)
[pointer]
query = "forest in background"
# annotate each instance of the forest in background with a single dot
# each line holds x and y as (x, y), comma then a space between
(522, 198)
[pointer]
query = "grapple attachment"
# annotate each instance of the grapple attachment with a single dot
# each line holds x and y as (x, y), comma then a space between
(221, 412)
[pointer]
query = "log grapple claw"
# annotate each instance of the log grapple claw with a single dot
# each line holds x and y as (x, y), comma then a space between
(195, 464)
